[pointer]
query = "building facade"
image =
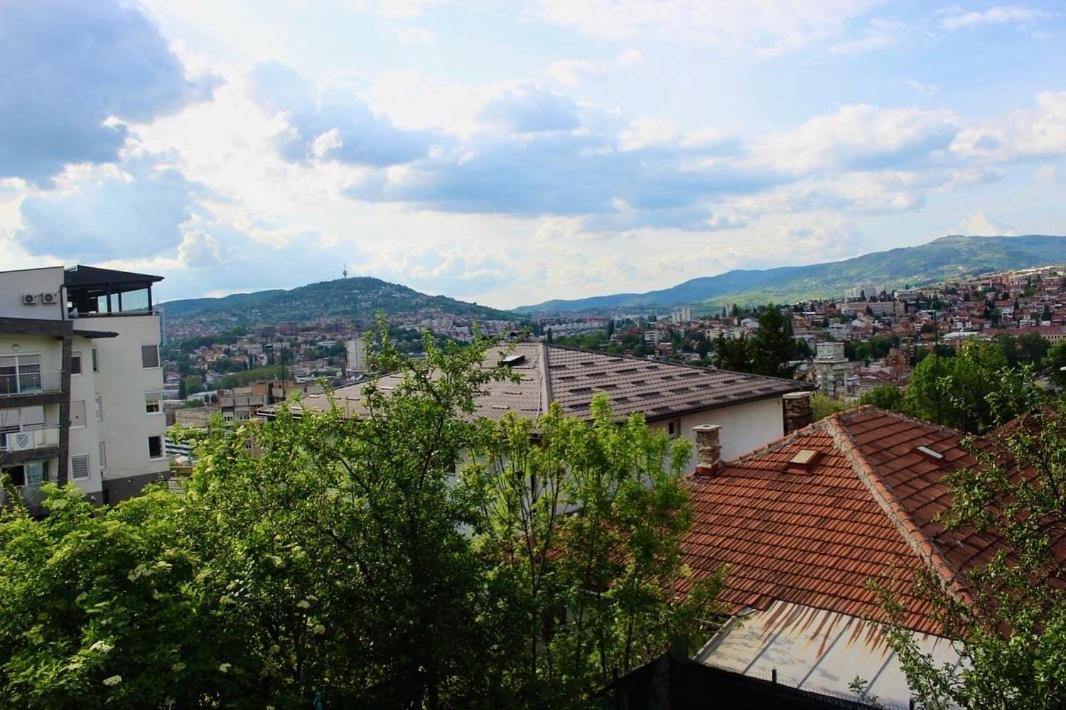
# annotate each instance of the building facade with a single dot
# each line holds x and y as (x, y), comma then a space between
(80, 381)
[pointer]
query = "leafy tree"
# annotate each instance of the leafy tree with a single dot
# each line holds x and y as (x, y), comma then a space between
(340, 560)
(823, 406)
(581, 528)
(773, 345)
(971, 391)
(889, 397)
(732, 353)
(1011, 623)
(1055, 362)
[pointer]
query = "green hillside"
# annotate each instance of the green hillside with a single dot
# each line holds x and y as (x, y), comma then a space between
(359, 299)
(936, 261)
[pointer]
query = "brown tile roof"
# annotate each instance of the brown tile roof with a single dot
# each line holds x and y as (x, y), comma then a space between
(573, 377)
(863, 511)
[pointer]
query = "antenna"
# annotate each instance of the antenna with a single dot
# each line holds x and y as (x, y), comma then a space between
(344, 273)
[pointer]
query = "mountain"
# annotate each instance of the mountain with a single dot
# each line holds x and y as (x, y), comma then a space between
(359, 299)
(936, 261)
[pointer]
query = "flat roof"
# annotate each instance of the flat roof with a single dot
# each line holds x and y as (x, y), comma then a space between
(95, 276)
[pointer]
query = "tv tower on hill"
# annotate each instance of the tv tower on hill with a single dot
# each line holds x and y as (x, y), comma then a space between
(344, 272)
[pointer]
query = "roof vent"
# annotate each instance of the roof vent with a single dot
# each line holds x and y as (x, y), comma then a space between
(512, 360)
(803, 460)
(935, 455)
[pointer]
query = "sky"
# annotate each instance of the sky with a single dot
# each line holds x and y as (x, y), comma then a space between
(508, 153)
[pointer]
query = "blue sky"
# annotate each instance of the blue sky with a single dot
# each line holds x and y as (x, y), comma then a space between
(511, 152)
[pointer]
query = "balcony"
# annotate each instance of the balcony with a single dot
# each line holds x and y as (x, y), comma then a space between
(25, 383)
(29, 439)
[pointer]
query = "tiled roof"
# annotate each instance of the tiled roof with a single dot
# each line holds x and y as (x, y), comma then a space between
(862, 512)
(573, 377)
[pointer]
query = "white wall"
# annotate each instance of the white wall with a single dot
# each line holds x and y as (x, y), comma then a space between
(33, 282)
(84, 440)
(745, 427)
(122, 383)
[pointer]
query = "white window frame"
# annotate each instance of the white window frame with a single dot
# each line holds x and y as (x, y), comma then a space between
(88, 467)
(96, 359)
(99, 408)
(158, 402)
(84, 414)
(103, 455)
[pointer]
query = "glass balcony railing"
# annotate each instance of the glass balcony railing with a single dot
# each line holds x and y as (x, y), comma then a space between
(22, 383)
(29, 439)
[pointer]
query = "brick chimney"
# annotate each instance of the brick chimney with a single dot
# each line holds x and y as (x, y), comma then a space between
(797, 408)
(708, 449)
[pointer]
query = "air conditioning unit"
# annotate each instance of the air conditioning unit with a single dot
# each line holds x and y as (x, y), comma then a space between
(48, 298)
(20, 440)
(28, 299)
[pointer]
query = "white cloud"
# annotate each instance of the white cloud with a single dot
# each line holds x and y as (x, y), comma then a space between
(978, 224)
(859, 137)
(768, 26)
(1019, 15)
(1028, 133)
(571, 72)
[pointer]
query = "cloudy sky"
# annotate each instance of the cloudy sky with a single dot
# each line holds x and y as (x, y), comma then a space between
(510, 152)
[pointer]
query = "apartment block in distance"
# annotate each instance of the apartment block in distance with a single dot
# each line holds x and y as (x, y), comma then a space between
(80, 381)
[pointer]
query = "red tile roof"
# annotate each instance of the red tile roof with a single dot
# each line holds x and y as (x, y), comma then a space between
(862, 512)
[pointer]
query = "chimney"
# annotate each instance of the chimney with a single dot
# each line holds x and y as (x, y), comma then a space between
(708, 449)
(797, 408)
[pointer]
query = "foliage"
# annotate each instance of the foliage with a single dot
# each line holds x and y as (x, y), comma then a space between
(1012, 622)
(971, 391)
(888, 397)
(1055, 362)
(767, 352)
(823, 405)
(585, 521)
(341, 559)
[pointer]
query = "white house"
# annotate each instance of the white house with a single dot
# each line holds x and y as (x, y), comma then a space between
(80, 381)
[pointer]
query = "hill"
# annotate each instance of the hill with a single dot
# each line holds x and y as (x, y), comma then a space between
(359, 299)
(939, 260)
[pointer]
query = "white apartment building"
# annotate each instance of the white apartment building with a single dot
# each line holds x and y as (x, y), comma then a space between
(80, 381)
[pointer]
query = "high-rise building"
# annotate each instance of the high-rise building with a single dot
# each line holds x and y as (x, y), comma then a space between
(80, 381)
(356, 351)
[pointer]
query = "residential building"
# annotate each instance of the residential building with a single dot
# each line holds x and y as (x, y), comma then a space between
(674, 398)
(80, 381)
(807, 525)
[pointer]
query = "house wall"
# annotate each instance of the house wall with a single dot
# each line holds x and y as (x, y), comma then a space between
(16, 284)
(122, 382)
(745, 427)
(84, 439)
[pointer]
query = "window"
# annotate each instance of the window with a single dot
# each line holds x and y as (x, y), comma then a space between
(673, 428)
(79, 467)
(99, 409)
(96, 361)
(149, 356)
(75, 363)
(103, 455)
(34, 472)
(155, 447)
(20, 374)
(153, 403)
(77, 413)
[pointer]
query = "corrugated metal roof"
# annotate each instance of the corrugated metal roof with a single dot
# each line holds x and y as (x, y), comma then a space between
(817, 650)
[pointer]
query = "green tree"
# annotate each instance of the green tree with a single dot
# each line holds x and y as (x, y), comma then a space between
(581, 527)
(732, 353)
(1055, 362)
(971, 391)
(773, 344)
(889, 397)
(1010, 616)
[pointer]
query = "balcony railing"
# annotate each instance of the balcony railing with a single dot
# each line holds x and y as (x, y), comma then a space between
(23, 383)
(29, 439)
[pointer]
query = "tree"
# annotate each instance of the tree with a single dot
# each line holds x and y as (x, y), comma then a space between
(971, 391)
(344, 561)
(888, 397)
(772, 345)
(1055, 362)
(1010, 619)
(732, 353)
(581, 527)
